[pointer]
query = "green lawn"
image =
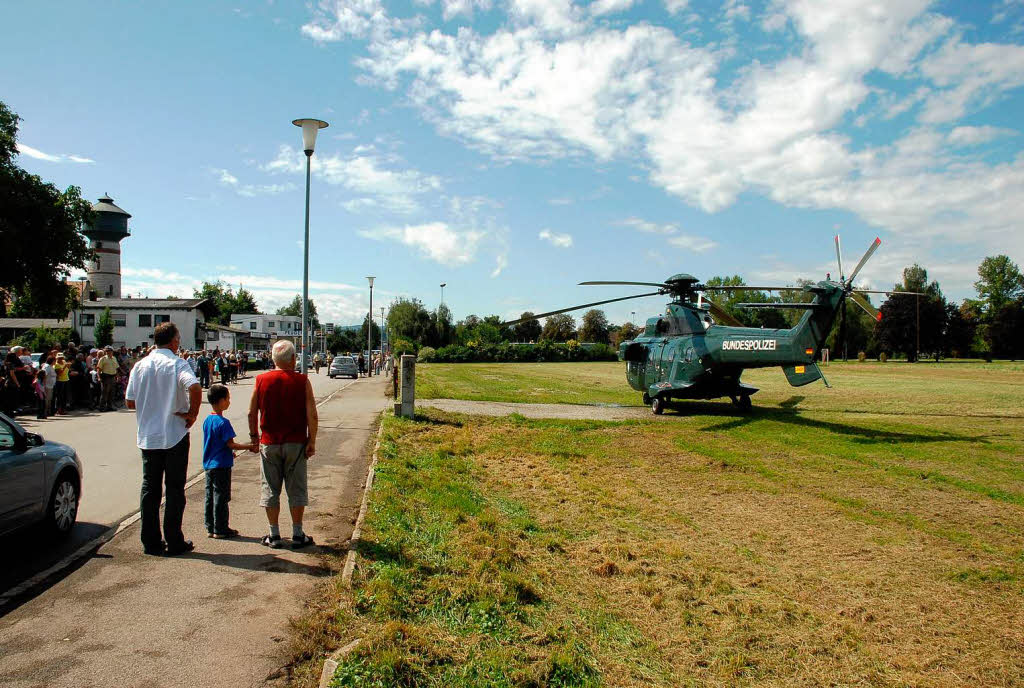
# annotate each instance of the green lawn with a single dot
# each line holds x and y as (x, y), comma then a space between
(871, 534)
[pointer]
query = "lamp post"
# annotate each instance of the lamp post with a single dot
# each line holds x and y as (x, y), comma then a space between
(309, 127)
(382, 334)
(369, 333)
(443, 284)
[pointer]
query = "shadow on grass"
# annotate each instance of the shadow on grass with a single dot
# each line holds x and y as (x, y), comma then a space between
(863, 435)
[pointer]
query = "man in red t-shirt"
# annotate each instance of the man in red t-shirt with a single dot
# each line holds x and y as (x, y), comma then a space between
(284, 411)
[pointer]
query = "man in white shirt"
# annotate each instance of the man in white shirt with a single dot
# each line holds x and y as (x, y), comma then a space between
(166, 396)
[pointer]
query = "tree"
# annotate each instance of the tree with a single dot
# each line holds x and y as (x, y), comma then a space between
(295, 309)
(103, 332)
(729, 300)
(41, 229)
(42, 339)
(226, 301)
(57, 300)
(624, 333)
(1006, 331)
(502, 331)
(362, 333)
(410, 320)
(559, 328)
(999, 282)
(444, 330)
(961, 330)
(907, 319)
(595, 327)
(528, 331)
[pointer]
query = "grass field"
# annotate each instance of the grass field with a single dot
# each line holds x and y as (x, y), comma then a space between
(871, 534)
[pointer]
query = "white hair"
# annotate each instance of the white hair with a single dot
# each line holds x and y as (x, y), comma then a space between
(284, 351)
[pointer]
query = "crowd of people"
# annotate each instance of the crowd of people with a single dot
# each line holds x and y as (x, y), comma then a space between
(67, 377)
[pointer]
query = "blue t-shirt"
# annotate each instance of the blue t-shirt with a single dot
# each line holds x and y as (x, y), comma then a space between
(217, 431)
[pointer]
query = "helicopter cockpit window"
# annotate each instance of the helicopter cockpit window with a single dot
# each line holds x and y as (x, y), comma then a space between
(662, 327)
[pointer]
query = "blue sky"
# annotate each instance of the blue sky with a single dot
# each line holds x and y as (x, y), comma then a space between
(512, 148)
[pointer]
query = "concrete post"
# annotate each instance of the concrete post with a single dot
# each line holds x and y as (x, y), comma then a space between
(406, 406)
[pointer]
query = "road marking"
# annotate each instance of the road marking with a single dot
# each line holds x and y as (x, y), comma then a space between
(108, 534)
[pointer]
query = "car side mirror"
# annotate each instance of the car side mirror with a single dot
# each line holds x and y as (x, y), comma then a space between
(33, 440)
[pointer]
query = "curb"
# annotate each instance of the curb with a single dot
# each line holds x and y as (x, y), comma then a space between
(357, 532)
(331, 663)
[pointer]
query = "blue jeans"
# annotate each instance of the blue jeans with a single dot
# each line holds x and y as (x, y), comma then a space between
(218, 494)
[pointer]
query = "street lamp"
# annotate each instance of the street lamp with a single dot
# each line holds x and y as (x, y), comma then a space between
(309, 127)
(369, 333)
(382, 335)
(442, 292)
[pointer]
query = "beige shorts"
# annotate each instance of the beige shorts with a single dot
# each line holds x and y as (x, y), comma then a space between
(283, 463)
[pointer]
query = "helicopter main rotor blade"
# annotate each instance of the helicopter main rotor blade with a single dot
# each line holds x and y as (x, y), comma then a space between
(884, 291)
(871, 250)
(629, 284)
(722, 315)
(744, 287)
(574, 308)
(865, 306)
(839, 259)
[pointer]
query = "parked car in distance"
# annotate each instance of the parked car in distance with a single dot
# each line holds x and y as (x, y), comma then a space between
(343, 366)
(40, 481)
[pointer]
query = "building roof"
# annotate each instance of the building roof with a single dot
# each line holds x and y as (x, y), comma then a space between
(29, 323)
(174, 304)
(81, 288)
(106, 205)
(223, 328)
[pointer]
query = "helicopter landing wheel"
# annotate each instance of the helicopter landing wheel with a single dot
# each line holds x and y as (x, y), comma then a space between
(657, 406)
(742, 402)
(647, 399)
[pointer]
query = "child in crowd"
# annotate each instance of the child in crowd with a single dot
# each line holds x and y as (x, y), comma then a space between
(38, 386)
(95, 386)
(218, 443)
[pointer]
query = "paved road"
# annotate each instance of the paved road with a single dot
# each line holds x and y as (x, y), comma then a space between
(215, 617)
(112, 474)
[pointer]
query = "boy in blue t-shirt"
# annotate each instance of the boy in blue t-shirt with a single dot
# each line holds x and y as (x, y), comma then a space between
(218, 441)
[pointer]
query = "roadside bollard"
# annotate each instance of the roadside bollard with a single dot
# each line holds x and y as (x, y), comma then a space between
(406, 407)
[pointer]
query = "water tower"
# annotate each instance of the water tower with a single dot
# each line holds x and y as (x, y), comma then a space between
(105, 234)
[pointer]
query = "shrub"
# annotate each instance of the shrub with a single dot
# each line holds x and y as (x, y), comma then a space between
(883, 357)
(426, 354)
(40, 339)
(861, 356)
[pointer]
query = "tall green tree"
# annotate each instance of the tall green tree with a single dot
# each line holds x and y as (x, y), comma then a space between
(999, 282)
(730, 300)
(595, 327)
(226, 301)
(295, 309)
(41, 228)
(528, 331)
(444, 329)
(909, 322)
(410, 320)
(559, 328)
(362, 333)
(961, 330)
(103, 332)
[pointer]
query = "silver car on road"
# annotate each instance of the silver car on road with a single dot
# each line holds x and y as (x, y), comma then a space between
(343, 366)
(40, 481)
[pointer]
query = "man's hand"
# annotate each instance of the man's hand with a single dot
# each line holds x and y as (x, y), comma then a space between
(310, 449)
(188, 417)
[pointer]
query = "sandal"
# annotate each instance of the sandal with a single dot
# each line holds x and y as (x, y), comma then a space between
(271, 541)
(304, 541)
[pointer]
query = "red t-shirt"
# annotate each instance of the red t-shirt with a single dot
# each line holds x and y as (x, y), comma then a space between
(281, 399)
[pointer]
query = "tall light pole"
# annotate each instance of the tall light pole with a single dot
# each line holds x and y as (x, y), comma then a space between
(309, 127)
(443, 284)
(369, 333)
(382, 333)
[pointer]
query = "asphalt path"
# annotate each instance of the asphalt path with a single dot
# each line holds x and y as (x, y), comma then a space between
(112, 476)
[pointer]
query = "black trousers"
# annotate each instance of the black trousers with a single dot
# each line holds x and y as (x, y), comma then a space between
(218, 494)
(167, 466)
(204, 376)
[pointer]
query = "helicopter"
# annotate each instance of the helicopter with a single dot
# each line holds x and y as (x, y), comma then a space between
(697, 350)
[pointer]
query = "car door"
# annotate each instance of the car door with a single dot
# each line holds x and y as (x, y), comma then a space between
(22, 474)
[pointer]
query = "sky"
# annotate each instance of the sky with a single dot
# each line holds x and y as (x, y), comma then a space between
(513, 148)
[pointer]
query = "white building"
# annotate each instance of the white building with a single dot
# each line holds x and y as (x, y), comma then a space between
(134, 320)
(269, 328)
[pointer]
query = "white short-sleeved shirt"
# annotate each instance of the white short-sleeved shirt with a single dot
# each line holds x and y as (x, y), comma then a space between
(159, 386)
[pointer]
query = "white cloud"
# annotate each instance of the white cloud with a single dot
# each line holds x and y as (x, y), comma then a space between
(362, 173)
(59, 157)
(692, 243)
(435, 240)
(601, 7)
(225, 178)
(553, 83)
(649, 227)
(676, 6)
(336, 20)
(556, 239)
(972, 136)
